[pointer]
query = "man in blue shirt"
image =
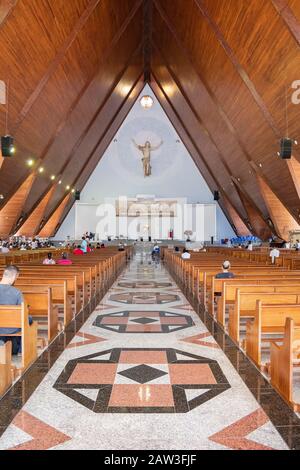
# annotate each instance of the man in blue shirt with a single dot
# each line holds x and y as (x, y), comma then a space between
(9, 295)
(84, 245)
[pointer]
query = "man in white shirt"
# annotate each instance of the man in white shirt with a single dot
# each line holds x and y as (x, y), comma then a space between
(4, 249)
(274, 253)
(185, 254)
(34, 244)
(250, 247)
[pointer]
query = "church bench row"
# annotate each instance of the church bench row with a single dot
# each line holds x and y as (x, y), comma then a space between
(289, 259)
(16, 316)
(285, 360)
(268, 320)
(44, 288)
(6, 368)
(246, 303)
(265, 301)
(206, 285)
(229, 296)
(18, 256)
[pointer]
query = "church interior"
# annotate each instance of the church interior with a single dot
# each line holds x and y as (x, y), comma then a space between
(150, 226)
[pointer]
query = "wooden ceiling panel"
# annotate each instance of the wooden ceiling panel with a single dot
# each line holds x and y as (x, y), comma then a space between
(268, 38)
(258, 224)
(292, 5)
(6, 7)
(24, 59)
(95, 94)
(190, 145)
(88, 151)
(294, 167)
(16, 170)
(206, 109)
(233, 88)
(105, 141)
(223, 69)
(88, 107)
(11, 211)
(202, 140)
(241, 228)
(90, 142)
(50, 227)
(281, 218)
(32, 223)
(80, 62)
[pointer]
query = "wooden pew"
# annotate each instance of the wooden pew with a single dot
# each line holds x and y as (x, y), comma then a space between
(268, 319)
(230, 286)
(259, 279)
(42, 309)
(16, 316)
(60, 297)
(245, 306)
(6, 375)
(284, 358)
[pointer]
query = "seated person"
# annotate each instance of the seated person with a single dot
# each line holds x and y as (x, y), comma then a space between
(274, 253)
(78, 251)
(9, 295)
(98, 246)
(64, 260)
(89, 248)
(156, 250)
(185, 254)
(225, 271)
(176, 248)
(121, 247)
(4, 248)
(102, 245)
(49, 259)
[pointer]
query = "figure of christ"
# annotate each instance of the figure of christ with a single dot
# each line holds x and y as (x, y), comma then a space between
(146, 151)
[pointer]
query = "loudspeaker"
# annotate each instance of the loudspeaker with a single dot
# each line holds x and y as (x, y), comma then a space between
(7, 146)
(149, 239)
(77, 196)
(216, 195)
(212, 240)
(286, 148)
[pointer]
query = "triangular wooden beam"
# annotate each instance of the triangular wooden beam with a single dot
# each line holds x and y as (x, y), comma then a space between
(259, 226)
(11, 211)
(1, 159)
(32, 223)
(282, 219)
(294, 167)
(50, 227)
(241, 227)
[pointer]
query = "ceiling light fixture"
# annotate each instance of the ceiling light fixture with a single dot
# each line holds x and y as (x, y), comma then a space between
(146, 102)
(41, 169)
(30, 162)
(52, 177)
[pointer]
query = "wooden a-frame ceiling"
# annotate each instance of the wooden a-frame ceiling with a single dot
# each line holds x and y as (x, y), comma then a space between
(221, 69)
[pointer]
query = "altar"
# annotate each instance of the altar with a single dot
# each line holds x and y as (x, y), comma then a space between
(147, 216)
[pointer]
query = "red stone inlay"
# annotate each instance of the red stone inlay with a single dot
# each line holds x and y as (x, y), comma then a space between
(191, 374)
(141, 395)
(234, 436)
(93, 374)
(143, 357)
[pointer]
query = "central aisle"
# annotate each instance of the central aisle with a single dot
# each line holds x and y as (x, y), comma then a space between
(142, 373)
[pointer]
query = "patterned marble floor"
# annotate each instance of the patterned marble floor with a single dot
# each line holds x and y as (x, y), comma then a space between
(142, 373)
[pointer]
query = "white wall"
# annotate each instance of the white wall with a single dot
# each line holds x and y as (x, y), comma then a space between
(120, 171)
